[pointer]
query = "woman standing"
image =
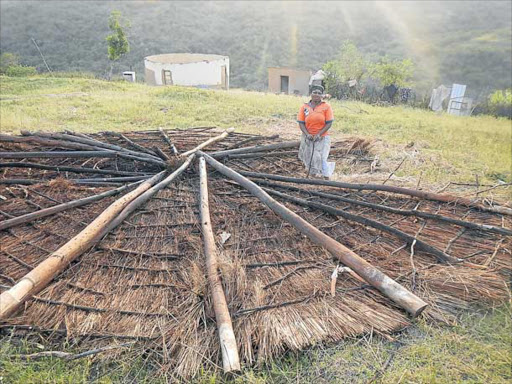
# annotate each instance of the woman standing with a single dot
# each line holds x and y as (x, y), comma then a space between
(315, 118)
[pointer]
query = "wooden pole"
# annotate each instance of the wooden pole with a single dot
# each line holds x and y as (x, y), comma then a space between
(390, 288)
(29, 217)
(250, 140)
(381, 187)
(257, 148)
(135, 145)
(96, 145)
(59, 168)
(397, 211)
(168, 141)
(440, 255)
(39, 277)
(88, 141)
(78, 154)
(230, 359)
(208, 142)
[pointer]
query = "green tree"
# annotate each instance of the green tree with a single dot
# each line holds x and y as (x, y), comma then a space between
(349, 65)
(388, 72)
(117, 42)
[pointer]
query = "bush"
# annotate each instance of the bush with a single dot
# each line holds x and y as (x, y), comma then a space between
(7, 60)
(500, 103)
(20, 71)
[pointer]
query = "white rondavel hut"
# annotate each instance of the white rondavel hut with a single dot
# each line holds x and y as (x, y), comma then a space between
(188, 69)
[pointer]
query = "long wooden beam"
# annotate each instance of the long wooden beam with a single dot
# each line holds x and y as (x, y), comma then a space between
(29, 217)
(382, 187)
(257, 148)
(89, 141)
(403, 212)
(440, 255)
(230, 358)
(77, 154)
(390, 288)
(59, 168)
(46, 271)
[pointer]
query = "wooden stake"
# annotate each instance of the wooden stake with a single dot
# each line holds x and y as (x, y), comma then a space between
(230, 359)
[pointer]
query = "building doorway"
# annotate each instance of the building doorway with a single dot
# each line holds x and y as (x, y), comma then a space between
(166, 77)
(285, 84)
(224, 76)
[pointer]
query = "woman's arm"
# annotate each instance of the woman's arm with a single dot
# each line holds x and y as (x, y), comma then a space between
(302, 127)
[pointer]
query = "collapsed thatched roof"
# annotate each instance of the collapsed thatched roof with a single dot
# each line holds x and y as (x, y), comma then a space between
(146, 280)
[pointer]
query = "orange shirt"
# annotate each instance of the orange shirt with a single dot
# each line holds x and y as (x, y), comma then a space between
(315, 118)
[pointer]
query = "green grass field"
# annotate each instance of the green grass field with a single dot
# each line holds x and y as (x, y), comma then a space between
(438, 149)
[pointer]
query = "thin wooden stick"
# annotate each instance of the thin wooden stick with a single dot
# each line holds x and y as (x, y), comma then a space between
(208, 142)
(89, 141)
(168, 141)
(230, 359)
(250, 140)
(133, 144)
(257, 148)
(161, 153)
(424, 215)
(71, 356)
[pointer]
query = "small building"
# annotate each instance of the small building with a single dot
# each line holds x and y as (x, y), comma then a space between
(288, 80)
(187, 69)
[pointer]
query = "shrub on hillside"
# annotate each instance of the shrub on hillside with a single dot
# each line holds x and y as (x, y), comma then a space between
(500, 103)
(10, 66)
(20, 71)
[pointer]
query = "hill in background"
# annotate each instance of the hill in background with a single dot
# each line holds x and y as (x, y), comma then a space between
(463, 42)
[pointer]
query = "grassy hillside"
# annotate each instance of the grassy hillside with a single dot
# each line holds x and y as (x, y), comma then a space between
(466, 42)
(437, 148)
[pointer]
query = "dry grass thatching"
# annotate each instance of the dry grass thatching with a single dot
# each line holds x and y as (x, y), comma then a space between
(146, 280)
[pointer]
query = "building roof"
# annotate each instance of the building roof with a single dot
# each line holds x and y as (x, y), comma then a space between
(291, 68)
(183, 58)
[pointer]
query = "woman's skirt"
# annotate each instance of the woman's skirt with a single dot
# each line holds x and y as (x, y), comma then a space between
(314, 155)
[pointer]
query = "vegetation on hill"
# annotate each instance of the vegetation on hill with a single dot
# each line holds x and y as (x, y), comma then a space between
(466, 42)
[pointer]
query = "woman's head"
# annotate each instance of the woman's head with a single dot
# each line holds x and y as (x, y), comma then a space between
(316, 92)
